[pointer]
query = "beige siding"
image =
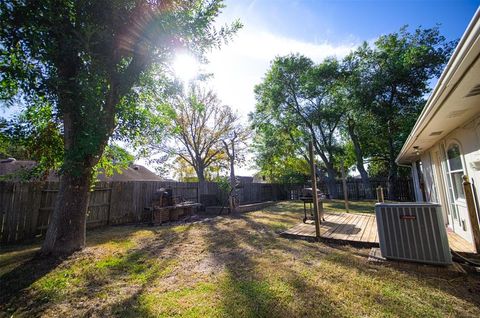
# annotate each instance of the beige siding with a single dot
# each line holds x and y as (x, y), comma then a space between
(436, 189)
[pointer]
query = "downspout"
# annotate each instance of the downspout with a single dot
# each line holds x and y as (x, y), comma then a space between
(413, 178)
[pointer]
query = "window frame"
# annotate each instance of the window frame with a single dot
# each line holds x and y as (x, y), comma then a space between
(451, 173)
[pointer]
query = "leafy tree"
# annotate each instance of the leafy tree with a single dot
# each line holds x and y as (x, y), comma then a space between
(358, 124)
(396, 76)
(34, 135)
(370, 99)
(276, 150)
(10, 143)
(295, 91)
(234, 146)
(89, 60)
(200, 125)
(185, 172)
(114, 160)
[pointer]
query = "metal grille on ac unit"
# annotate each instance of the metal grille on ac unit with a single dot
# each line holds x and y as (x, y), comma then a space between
(413, 231)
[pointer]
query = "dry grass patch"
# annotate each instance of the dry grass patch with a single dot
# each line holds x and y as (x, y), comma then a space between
(235, 266)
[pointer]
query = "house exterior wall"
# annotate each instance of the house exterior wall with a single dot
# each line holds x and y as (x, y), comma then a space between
(435, 182)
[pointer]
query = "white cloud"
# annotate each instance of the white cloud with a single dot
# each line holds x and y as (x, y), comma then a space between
(240, 65)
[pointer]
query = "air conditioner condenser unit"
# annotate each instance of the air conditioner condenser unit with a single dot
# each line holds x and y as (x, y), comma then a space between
(413, 232)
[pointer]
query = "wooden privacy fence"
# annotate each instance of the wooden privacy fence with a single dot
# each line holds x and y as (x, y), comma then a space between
(356, 190)
(25, 207)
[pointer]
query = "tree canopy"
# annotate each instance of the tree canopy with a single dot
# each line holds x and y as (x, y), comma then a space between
(92, 63)
(296, 92)
(199, 125)
(360, 108)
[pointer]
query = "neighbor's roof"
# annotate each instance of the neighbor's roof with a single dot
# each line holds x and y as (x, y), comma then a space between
(133, 173)
(11, 166)
(455, 100)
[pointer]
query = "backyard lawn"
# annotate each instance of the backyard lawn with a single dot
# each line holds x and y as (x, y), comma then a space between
(227, 267)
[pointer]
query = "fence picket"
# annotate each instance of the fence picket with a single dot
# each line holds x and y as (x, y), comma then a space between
(25, 208)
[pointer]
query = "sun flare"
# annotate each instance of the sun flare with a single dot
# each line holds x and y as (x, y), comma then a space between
(185, 67)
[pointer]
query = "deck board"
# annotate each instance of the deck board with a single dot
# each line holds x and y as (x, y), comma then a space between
(458, 244)
(335, 219)
(366, 232)
(341, 232)
(364, 226)
(359, 228)
(367, 225)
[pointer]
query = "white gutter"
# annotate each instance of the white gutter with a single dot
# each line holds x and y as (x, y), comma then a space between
(432, 105)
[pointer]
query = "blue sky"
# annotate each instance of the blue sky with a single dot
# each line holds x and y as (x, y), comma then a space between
(337, 21)
(316, 29)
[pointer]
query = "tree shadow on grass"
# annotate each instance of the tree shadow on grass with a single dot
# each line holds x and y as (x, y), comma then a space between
(286, 219)
(244, 293)
(247, 291)
(135, 269)
(13, 256)
(30, 267)
(144, 264)
(467, 288)
(398, 275)
(21, 277)
(290, 207)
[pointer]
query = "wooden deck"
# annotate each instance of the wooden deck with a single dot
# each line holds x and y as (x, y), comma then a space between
(458, 244)
(359, 229)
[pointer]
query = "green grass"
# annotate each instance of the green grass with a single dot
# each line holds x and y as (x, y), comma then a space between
(136, 265)
(55, 286)
(231, 267)
(354, 206)
(185, 302)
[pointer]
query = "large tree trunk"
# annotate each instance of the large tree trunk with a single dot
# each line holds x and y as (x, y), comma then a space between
(331, 181)
(392, 181)
(367, 186)
(202, 186)
(66, 231)
(359, 158)
(331, 173)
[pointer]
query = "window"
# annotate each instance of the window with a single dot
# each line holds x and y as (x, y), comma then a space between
(455, 169)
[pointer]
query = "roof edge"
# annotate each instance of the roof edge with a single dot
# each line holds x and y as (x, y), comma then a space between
(462, 49)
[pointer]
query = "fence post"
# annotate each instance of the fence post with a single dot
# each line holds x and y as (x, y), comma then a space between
(314, 190)
(380, 198)
(109, 213)
(345, 189)
(472, 212)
